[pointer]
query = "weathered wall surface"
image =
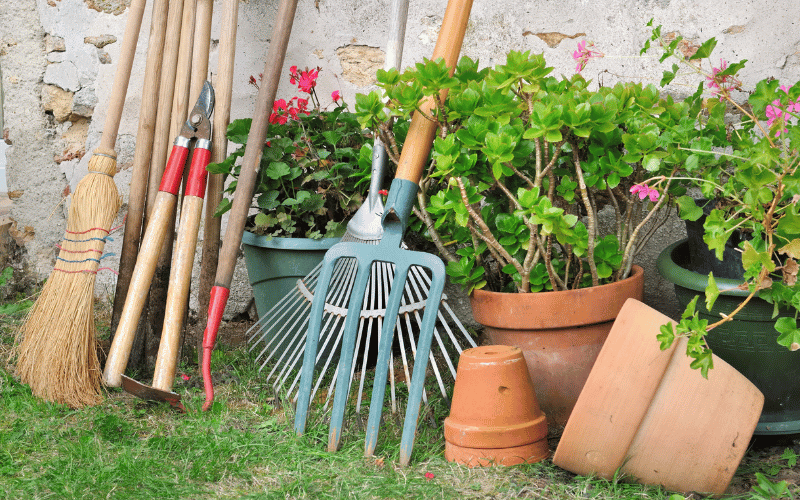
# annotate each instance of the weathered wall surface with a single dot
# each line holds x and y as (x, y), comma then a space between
(57, 60)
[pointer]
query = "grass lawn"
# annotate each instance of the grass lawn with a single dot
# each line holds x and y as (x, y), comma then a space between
(245, 448)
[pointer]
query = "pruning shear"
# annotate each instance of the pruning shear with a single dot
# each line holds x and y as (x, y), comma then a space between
(197, 128)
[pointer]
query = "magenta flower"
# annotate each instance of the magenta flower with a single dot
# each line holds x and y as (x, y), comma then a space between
(336, 95)
(721, 85)
(645, 191)
(584, 53)
(775, 111)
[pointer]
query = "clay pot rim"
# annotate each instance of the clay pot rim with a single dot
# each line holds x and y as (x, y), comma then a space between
(636, 270)
(546, 310)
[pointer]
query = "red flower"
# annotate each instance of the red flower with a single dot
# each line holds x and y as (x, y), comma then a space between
(308, 80)
(336, 95)
(429, 475)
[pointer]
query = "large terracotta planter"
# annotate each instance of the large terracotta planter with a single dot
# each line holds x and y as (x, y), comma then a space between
(560, 334)
(494, 417)
(646, 414)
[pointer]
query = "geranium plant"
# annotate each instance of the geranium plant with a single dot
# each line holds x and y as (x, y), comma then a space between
(738, 147)
(523, 165)
(313, 165)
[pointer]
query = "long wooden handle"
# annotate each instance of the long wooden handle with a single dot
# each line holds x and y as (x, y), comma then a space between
(420, 136)
(181, 272)
(146, 262)
(243, 196)
(153, 241)
(141, 158)
(122, 76)
(219, 149)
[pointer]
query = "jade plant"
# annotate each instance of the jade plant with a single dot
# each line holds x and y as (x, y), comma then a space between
(739, 148)
(535, 183)
(313, 168)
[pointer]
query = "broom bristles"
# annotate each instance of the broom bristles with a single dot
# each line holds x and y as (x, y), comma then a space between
(57, 345)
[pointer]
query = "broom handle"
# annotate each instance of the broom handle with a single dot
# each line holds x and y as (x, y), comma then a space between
(419, 140)
(243, 196)
(119, 88)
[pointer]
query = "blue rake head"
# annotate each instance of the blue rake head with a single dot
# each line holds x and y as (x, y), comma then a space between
(399, 203)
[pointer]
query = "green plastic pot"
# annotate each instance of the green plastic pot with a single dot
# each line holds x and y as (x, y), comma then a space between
(275, 264)
(748, 342)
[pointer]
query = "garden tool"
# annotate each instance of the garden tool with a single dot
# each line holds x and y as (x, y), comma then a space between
(245, 186)
(57, 356)
(196, 127)
(398, 207)
(179, 281)
(281, 329)
(219, 149)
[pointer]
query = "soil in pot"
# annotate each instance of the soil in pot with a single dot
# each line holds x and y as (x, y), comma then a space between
(560, 334)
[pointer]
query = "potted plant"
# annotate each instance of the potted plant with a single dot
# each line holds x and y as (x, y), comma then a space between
(310, 182)
(535, 198)
(743, 155)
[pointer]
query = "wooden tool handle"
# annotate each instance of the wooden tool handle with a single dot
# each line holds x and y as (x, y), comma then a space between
(140, 285)
(245, 186)
(119, 88)
(420, 136)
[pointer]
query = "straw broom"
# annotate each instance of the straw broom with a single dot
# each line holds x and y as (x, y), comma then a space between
(56, 350)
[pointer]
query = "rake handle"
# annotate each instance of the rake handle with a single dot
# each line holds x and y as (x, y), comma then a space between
(421, 133)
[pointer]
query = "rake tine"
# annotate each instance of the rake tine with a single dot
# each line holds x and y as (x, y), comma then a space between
(385, 346)
(366, 335)
(433, 362)
(346, 354)
(423, 350)
(341, 297)
(298, 316)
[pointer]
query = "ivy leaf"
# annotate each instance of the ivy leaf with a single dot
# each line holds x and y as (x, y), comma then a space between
(705, 50)
(789, 333)
(751, 256)
(712, 291)
(666, 337)
(792, 249)
(703, 361)
(689, 209)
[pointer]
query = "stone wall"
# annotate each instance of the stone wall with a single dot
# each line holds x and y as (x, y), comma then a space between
(57, 60)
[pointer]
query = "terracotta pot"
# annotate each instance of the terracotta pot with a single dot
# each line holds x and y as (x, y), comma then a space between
(560, 334)
(646, 413)
(494, 417)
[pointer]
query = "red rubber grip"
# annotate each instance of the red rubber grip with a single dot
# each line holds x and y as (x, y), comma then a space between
(196, 184)
(216, 306)
(173, 173)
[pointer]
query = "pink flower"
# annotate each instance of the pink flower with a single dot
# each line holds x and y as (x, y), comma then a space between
(336, 95)
(185, 377)
(429, 475)
(293, 75)
(775, 111)
(645, 191)
(584, 53)
(721, 85)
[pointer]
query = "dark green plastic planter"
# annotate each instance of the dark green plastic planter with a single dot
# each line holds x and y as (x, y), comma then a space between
(274, 265)
(748, 342)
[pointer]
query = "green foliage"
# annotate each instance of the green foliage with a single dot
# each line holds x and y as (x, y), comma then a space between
(749, 168)
(505, 134)
(311, 177)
